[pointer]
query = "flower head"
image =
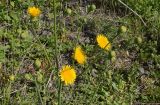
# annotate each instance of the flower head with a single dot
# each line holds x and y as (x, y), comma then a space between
(33, 11)
(103, 42)
(67, 74)
(79, 55)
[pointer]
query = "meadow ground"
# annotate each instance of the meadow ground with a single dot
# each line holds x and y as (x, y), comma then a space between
(79, 52)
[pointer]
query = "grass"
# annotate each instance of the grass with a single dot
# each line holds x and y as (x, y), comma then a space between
(33, 50)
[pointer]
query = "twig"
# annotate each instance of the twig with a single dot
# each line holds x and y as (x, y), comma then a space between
(133, 12)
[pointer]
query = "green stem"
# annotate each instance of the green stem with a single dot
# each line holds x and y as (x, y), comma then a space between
(84, 71)
(38, 92)
(59, 92)
(56, 53)
(117, 34)
(55, 34)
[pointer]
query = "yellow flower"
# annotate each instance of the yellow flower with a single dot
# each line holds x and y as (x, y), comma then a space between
(33, 11)
(67, 74)
(103, 42)
(79, 55)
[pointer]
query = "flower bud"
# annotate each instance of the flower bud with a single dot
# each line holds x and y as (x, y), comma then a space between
(139, 40)
(68, 11)
(37, 63)
(39, 77)
(123, 29)
(28, 76)
(12, 77)
(93, 7)
(113, 53)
